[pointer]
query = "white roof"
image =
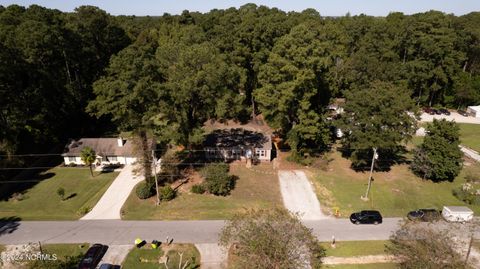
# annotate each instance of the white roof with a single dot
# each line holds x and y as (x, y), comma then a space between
(458, 209)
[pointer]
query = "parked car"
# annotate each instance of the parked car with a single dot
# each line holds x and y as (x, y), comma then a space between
(366, 217)
(429, 110)
(109, 266)
(444, 111)
(424, 215)
(457, 213)
(438, 111)
(463, 113)
(93, 256)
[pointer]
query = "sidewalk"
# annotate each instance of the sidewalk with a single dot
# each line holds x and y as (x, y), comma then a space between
(111, 203)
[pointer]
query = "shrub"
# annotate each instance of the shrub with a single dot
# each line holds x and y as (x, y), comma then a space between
(167, 193)
(144, 190)
(198, 188)
(84, 210)
(217, 179)
(61, 193)
(467, 194)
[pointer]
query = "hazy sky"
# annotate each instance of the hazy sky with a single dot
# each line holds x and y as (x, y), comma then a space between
(325, 7)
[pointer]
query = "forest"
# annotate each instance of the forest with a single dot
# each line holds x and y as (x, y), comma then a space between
(87, 73)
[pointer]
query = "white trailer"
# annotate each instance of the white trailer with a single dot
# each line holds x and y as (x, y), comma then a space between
(457, 213)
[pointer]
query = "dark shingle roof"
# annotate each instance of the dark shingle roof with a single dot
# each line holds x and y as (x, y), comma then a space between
(102, 146)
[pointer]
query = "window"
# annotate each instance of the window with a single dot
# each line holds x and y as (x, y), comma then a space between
(112, 158)
(71, 159)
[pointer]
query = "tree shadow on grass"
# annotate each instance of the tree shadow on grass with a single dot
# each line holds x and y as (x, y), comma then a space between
(21, 184)
(70, 196)
(9, 224)
(361, 159)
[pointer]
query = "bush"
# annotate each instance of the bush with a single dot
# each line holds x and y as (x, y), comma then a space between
(61, 193)
(144, 190)
(217, 179)
(84, 210)
(167, 193)
(469, 196)
(198, 189)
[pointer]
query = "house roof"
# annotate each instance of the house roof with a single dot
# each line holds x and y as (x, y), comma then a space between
(238, 138)
(102, 146)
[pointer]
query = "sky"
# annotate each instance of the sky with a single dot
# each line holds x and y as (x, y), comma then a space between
(325, 7)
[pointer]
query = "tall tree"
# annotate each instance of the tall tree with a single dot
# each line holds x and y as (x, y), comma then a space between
(381, 116)
(294, 90)
(439, 157)
(273, 238)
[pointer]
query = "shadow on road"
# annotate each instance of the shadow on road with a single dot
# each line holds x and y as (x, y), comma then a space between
(9, 225)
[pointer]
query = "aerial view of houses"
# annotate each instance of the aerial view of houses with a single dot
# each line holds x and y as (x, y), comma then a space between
(236, 134)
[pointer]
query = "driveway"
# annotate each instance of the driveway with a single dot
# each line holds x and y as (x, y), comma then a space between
(212, 256)
(425, 117)
(110, 205)
(298, 195)
(116, 254)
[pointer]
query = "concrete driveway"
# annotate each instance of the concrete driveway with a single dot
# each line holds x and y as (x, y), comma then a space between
(110, 205)
(298, 195)
(453, 116)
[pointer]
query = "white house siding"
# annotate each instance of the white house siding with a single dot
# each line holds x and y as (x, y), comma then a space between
(120, 160)
(474, 110)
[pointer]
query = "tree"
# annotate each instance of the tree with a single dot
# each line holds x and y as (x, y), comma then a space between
(439, 157)
(375, 122)
(426, 247)
(88, 156)
(271, 239)
(61, 193)
(295, 90)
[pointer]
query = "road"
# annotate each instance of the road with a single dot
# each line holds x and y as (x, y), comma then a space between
(118, 232)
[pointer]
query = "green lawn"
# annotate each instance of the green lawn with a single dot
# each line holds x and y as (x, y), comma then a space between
(252, 190)
(394, 193)
(355, 248)
(470, 135)
(147, 258)
(68, 256)
(41, 202)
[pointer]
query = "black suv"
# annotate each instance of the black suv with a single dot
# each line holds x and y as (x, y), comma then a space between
(444, 111)
(93, 256)
(424, 215)
(366, 217)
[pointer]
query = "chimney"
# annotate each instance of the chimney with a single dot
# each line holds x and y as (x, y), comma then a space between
(120, 141)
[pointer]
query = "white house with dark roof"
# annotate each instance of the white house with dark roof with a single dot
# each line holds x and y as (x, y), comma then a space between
(108, 150)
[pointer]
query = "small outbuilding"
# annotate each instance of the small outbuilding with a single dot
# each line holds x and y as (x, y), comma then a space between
(474, 111)
(108, 150)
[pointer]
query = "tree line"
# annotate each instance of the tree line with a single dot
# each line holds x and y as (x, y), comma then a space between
(69, 74)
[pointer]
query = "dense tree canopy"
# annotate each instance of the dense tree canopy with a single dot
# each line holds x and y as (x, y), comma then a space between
(172, 73)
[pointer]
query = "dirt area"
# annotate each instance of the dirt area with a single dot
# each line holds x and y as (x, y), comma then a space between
(184, 184)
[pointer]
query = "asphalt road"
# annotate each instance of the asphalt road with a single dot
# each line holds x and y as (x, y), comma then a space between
(118, 232)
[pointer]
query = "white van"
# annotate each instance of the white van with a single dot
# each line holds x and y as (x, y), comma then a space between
(457, 213)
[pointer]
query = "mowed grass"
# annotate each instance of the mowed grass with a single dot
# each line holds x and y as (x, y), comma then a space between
(470, 135)
(355, 248)
(147, 258)
(253, 189)
(393, 193)
(65, 250)
(41, 202)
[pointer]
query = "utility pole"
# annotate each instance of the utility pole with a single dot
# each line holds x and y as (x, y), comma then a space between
(375, 156)
(155, 174)
(469, 249)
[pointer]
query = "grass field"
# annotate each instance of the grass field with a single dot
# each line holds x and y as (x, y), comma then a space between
(470, 135)
(41, 202)
(67, 256)
(252, 190)
(147, 258)
(355, 248)
(394, 193)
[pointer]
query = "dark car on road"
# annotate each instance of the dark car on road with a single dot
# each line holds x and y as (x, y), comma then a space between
(463, 113)
(429, 110)
(93, 256)
(366, 217)
(424, 215)
(444, 111)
